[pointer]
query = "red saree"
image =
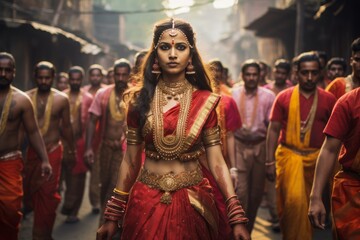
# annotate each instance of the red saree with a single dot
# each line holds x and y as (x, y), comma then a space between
(10, 198)
(147, 218)
(192, 213)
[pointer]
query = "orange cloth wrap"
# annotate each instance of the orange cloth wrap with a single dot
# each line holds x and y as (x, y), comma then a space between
(346, 205)
(10, 198)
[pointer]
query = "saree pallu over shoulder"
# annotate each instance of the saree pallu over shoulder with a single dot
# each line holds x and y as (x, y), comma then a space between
(203, 104)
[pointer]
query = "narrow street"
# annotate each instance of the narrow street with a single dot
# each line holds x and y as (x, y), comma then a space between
(88, 224)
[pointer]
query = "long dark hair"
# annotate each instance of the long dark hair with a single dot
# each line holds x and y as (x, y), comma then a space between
(201, 78)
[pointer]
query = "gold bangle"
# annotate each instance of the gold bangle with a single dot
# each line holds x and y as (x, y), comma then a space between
(269, 163)
(117, 191)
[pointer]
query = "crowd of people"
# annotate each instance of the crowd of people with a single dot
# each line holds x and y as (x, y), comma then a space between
(175, 150)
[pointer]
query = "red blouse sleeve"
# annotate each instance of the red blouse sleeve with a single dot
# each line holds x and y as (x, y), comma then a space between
(133, 117)
(212, 121)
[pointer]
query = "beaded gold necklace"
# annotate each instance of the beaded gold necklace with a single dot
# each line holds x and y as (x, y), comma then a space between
(170, 146)
(44, 128)
(117, 110)
(5, 111)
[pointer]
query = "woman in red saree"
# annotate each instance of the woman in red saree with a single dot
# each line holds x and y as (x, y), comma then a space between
(174, 115)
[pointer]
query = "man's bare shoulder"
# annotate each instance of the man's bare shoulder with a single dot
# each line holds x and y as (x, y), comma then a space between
(20, 96)
(31, 92)
(60, 97)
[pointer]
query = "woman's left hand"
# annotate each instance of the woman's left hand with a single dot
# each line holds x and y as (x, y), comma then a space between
(240, 232)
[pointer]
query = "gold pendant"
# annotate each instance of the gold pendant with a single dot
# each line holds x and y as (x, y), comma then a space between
(166, 198)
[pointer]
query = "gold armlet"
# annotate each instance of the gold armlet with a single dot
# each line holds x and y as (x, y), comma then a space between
(133, 136)
(211, 137)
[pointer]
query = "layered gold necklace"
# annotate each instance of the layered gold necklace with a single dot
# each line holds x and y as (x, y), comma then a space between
(5, 111)
(170, 146)
(117, 107)
(44, 128)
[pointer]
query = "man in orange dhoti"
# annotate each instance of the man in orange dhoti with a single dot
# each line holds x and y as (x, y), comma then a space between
(52, 111)
(16, 110)
(299, 115)
(342, 85)
(342, 131)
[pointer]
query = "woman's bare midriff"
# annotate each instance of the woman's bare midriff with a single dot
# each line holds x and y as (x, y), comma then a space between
(162, 167)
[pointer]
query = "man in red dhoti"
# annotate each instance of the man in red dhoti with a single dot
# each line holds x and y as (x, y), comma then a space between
(75, 177)
(342, 85)
(342, 134)
(16, 110)
(53, 115)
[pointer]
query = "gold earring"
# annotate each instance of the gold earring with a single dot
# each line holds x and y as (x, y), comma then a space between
(190, 69)
(155, 67)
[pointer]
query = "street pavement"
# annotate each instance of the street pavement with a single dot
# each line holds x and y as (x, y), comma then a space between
(86, 228)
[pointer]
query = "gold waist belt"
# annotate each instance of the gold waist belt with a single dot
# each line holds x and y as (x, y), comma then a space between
(170, 182)
(184, 157)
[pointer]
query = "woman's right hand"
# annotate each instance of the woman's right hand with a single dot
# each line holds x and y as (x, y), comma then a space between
(240, 232)
(107, 230)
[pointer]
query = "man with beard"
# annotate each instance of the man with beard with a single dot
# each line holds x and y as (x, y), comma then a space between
(254, 104)
(80, 102)
(342, 85)
(52, 111)
(16, 110)
(281, 75)
(109, 109)
(299, 115)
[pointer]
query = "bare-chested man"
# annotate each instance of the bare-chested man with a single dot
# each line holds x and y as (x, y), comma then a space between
(16, 110)
(52, 111)
(109, 108)
(80, 102)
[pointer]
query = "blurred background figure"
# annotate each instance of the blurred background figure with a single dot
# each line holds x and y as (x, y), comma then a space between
(62, 81)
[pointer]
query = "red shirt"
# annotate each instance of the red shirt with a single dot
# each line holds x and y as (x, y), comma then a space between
(344, 124)
(280, 112)
(232, 116)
